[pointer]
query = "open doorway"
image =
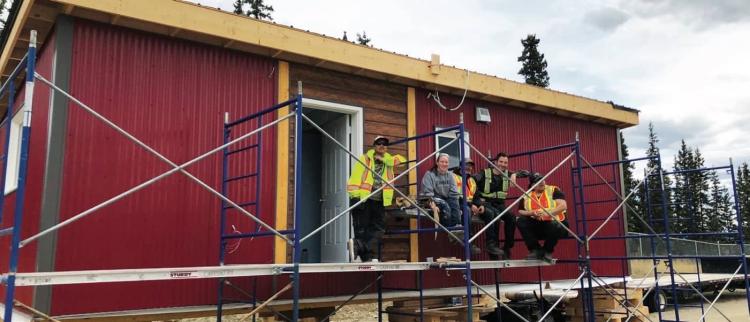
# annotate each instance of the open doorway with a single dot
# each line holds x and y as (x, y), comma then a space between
(325, 170)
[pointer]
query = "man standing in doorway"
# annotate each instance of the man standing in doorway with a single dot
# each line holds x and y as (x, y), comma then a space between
(493, 184)
(536, 218)
(369, 215)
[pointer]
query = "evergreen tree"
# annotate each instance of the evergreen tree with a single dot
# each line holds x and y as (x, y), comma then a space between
(344, 38)
(721, 215)
(238, 7)
(258, 9)
(363, 39)
(534, 69)
(743, 196)
(651, 195)
(4, 9)
(691, 199)
(635, 209)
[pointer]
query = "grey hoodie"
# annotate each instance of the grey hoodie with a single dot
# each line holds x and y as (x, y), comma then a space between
(435, 184)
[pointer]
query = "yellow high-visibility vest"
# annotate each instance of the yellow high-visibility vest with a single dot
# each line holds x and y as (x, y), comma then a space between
(472, 187)
(545, 199)
(496, 194)
(361, 180)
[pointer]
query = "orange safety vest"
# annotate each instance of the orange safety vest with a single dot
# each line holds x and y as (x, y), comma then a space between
(545, 199)
(472, 187)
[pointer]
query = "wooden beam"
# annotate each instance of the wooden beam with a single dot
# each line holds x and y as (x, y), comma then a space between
(68, 8)
(411, 130)
(174, 32)
(282, 165)
(320, 63)
(228, 43)
(114, 19)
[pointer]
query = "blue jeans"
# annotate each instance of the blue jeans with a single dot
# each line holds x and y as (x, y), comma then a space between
(450, 211)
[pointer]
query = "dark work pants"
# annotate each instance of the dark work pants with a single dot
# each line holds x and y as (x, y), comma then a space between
(369, 226)
(492, 210)
(534, 230)
(450, 211)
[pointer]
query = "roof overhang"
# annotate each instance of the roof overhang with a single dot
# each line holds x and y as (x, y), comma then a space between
(186, 20)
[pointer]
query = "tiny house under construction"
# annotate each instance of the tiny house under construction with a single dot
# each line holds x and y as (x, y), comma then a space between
(174, 74)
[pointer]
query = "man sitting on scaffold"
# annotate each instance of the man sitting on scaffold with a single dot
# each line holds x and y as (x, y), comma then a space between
(542, 214)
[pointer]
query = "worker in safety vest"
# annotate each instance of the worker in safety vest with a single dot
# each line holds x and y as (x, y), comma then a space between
(536, 218)
(470, 192)
(368, 216)
(493, 184)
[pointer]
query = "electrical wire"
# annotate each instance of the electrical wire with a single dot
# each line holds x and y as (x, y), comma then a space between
(436, 96)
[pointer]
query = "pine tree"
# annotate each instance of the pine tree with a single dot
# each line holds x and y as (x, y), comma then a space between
(743, 196)
(4, 9)
(238, 7)
(534, 68)
(258, 9)
(721, 215)
(344, 38)
(651, 195)
(635, 209)
(363, 39)
(681, 205)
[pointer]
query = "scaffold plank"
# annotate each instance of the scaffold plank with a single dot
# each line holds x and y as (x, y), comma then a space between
(181, 273)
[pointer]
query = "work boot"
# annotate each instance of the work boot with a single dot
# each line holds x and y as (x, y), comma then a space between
(492, 249)
(547, 257)
(535, 254)
(506, 254)
(352, 246)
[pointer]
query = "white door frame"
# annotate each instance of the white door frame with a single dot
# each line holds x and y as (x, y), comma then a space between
(354, 136)
(357, 119)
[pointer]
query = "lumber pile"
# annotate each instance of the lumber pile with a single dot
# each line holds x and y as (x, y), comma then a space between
(440, 309)
(609, 307)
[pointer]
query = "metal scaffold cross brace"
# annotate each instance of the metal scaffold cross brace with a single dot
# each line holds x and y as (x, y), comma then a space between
(176, 168)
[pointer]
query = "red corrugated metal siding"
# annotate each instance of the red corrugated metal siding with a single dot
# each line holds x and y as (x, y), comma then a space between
(515, 130)
(172, 95)
(35, 177)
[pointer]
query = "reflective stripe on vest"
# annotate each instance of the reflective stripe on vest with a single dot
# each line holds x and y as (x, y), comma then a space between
(361, 180)
(547, 202)
(472, 186)
(496, 194)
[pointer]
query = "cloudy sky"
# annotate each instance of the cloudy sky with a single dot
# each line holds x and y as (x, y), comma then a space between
(683, 63)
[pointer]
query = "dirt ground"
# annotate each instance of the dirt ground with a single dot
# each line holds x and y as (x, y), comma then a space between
(733, 305)
(350, 313)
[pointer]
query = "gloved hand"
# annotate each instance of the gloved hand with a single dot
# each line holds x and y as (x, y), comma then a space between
(522, 173)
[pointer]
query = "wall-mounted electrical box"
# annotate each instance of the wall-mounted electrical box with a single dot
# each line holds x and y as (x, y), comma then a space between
(483, 114)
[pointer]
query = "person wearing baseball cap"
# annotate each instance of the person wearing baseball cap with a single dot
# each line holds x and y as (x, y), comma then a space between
(542, 215)
(372, 196)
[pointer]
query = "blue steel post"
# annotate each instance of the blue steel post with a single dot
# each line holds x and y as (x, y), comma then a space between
(8, 125)
(665, 214)
(652, 241)
(23, 168)
(223, 215)
(258, 165)
(297, 194)
(740, 233)
(588, 298)
(465, 208)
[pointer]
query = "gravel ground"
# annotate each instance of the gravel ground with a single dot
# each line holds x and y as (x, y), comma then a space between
(349, 313)
(734, 305)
